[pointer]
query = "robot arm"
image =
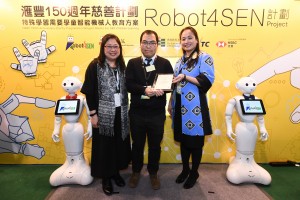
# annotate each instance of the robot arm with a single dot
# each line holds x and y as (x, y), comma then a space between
(39, 102)
(263, 132)
(55, 134)
(228, 118)
(89, 131)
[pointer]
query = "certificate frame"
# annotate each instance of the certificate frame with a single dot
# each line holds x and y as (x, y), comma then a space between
(67, 107)
(163, 82)
(252, 107)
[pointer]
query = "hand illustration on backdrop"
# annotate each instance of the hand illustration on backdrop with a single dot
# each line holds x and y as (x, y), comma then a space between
(38, 53)
(28, 63)
(39, 45)
(288, 62)
(15, 130)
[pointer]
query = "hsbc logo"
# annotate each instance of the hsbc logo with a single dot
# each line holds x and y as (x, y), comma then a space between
(221, 44)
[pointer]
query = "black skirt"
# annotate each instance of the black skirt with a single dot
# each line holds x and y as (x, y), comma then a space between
(110, 154)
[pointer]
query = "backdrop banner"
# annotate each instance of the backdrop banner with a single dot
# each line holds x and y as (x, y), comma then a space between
(42, 42)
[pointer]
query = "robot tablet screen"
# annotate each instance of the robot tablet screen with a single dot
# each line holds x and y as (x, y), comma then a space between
(67, 107)
(252, 107)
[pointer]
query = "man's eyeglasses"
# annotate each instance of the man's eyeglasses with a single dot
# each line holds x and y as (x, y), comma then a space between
(150, 43)
(112, 47)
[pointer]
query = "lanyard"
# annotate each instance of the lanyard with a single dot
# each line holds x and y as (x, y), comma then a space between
(147, 74)
(116, 73)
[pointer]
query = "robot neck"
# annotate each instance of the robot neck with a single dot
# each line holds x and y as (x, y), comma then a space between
(249, 96)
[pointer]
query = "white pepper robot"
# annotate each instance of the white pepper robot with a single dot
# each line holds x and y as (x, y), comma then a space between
(243, 168)
(76, 169)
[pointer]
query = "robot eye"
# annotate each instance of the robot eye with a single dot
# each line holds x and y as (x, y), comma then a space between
(247, 84)
(65, 84)
(72, 84)
(254, 84)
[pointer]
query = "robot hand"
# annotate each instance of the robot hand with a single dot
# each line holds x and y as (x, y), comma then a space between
(88, 135)
(55, 136)
(44, 103)
(230, 135)
(28, 64)
(285, 63)
(40, 46)
(263, 136)
(295, 116)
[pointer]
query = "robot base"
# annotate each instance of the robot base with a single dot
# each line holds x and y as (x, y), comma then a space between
(75, 170)
(243, 169)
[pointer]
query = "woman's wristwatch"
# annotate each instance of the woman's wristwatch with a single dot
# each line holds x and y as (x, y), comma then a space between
(91, 115)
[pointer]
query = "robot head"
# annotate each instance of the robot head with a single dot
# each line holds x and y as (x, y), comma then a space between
(246, 85)
(71, 84)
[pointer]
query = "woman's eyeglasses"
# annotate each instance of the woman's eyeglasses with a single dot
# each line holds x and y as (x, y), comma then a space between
(112, 47)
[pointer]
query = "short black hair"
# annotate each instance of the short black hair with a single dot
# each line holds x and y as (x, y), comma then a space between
(149, 32)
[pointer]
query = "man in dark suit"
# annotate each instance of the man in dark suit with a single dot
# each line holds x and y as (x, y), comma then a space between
(147, 107)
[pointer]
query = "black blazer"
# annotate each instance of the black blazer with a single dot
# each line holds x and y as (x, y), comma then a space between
(136, 82)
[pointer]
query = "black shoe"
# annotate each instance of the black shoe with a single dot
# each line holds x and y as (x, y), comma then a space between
(119, 180)
(107, 186)
(190, 182)
(182, 176)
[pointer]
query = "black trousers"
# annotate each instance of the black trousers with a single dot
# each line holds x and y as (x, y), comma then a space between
(151, 126)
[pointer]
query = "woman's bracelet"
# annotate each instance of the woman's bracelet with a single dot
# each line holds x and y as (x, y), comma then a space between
(184, 78)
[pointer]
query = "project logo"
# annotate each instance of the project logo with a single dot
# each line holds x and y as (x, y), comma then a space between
(67, 108)
(69, 42)
(253, 108)
(84, 45)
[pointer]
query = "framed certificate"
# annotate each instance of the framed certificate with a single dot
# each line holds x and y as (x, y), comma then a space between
(252, 107)
(163, 82)
(67, 107)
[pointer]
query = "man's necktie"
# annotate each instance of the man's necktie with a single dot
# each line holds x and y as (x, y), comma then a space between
(148, 61)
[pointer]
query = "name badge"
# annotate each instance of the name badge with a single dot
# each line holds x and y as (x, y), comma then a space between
(150, 68)
(117, 99)
(145, 97)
